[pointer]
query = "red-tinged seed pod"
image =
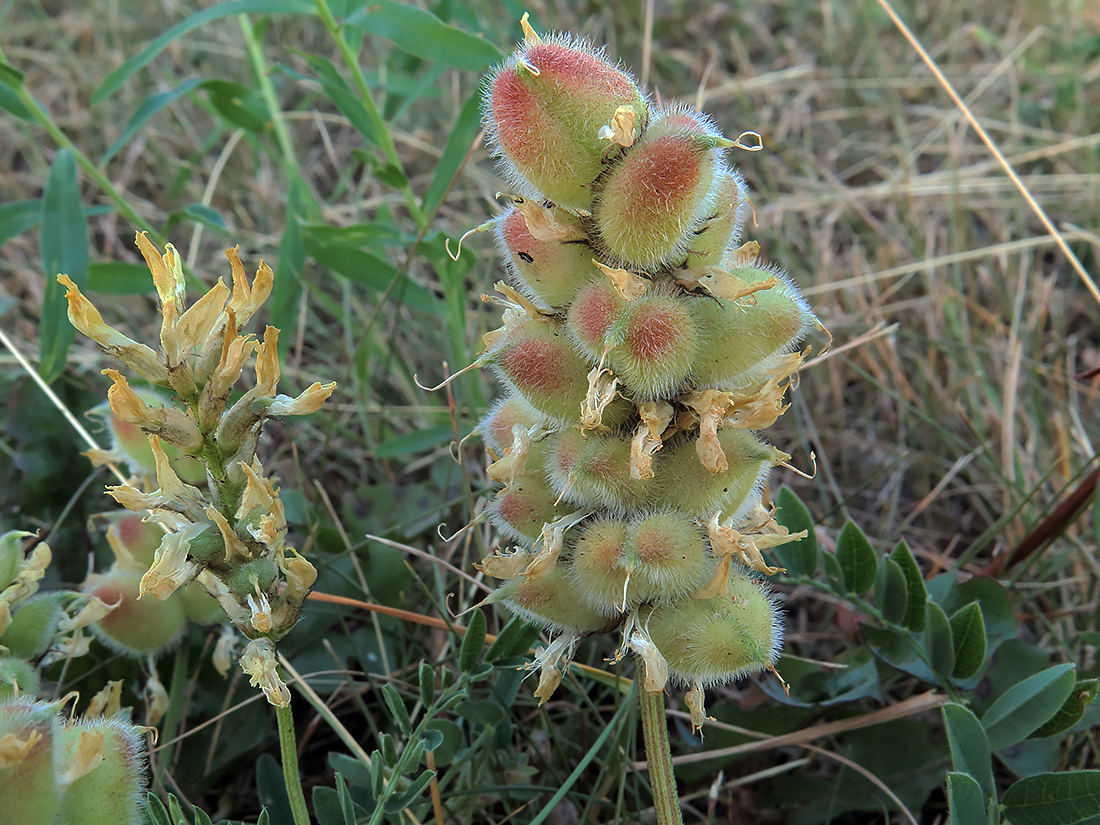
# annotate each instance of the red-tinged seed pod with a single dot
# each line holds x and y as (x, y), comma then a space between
(722, 228)
(549, 271)
(653, 346)
(600, 476)
(598, 569)
(742, 336)
(133, 444)
(594, 311)
(689, 487)
(551, 601)
(28, 782)
(34, 625)
(564, 450)
(544, 112)
(529, 502)
(717, 640)
(538, 363)
(495, 428)
(653, 200)
(668, 557)
(136, 627)
(113, 791)
(136, 536)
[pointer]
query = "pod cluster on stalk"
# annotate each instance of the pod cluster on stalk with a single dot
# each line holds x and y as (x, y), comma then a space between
(645, 344)
(214, 526)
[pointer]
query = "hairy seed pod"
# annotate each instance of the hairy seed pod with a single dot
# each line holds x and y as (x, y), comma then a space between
(136, 627)
(112, 792)
(549, 600)
(544, 111)
(593, 471)
(599, 564)
(653, 200)
(548, 271)
(717, 640)
(199, 606)
(18, 677)
(690, 487)
(653, 345)
(495, 428)
(28, 782)
(667, 556)
(742, 336)
(34, 625)
(529, 502)
(596, 309)
(722, 228)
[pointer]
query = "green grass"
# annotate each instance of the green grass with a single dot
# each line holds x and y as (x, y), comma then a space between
(957, 421)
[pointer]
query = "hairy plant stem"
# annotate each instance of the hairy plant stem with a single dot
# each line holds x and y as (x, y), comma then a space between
(658, 755)
(288, 749)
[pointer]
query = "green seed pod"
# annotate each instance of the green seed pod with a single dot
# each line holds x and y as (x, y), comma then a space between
(28, 783)
(243, 579)
(717, 640)
(34, 625)
(111, 793)
(549, 272)
(594, 471)
(17, 678)
(722, 229)
(549, 600)
(136, 627)
(598, 571)
(544, 112)
(11, 556)
(133, 444)
(667, 556)
(136, 536)
(654, 345)
(692, 489)
(199, 606)
(495, 428)
(654, 199)
(740, 337)
(540, 365)
(529, 502)
(591, 316)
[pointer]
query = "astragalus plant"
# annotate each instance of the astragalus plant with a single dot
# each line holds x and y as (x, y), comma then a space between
(645, 345)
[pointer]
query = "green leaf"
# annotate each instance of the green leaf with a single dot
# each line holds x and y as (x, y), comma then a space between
(1071, 798)
(418, 441)
(241, 106)
(1024, 707)
(505, 644)
(145, 112)
(965, 800)
(833, 573)
(366, 269)
(397, 708)
(343, 97)
(283, 306)
(17, 217)
(354, 772)
(464, 131)
(197, 213)
(201, 816)
(272, 788)
(264, 818)
(939, 640)
(856, 557)
(10, 76)
(427, 684)
(891, 591)
(969, 746)
(473, 642)
(422, 34)
(485, 712)
(1000, 621)
(968, 634)
(432, 738)
(411, 794)
(343, 797)
(918, 593)
(389, 750)
(156, 810)
(119, 76)
(1071, 712)
(119, 278)
(10, 101)
(452, 740)
(799, 557)
(63, 237)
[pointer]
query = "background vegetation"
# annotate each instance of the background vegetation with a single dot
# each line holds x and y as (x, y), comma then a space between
(956, 411)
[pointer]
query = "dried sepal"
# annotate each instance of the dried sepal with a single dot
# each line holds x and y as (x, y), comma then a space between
(505, 565)
(630, 285)
(656, 416)
(260, 665)
(602, 389)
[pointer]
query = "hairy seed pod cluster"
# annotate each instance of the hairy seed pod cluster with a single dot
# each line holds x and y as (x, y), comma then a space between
(644, 347)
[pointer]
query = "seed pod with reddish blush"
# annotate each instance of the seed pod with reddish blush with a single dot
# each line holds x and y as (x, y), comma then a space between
(548, 271)
(544, 112)
(742, 336)
(524, 506)
(551, 601)
(713, 641)
(596, 309)
(495, 428)
(722, 228)
(688, 486)
(600, 476)
(113, 790)
(653, 200)
(131, 444)
(136, 627)
(599, 569)
(653, 345)
(668, 557)
(135, 536)
(28, 781)
(537, 361)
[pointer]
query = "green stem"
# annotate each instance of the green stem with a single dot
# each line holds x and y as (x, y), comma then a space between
(658, 754)
(288, 748)
(174, 714)
(259, 69)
